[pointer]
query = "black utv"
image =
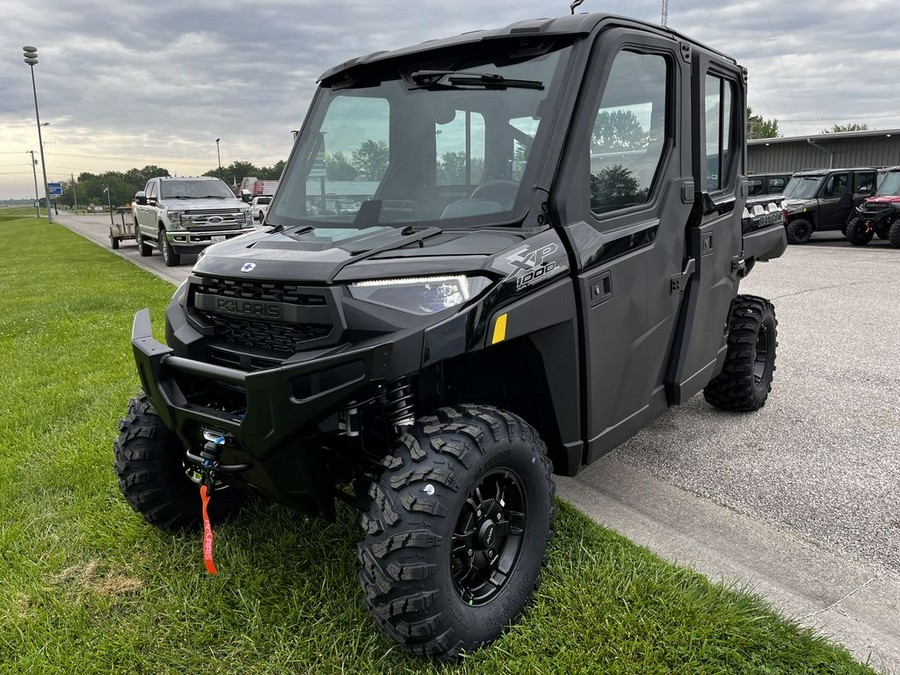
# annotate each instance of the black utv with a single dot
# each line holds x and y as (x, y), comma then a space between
(824, 199)
(490, 258)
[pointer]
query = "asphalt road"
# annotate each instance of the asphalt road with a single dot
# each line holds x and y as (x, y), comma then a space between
(808, 488)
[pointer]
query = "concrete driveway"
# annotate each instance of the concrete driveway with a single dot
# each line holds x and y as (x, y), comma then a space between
(800, 501)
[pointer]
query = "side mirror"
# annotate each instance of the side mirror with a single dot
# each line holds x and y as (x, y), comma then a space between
(246, 196)
(141, 198)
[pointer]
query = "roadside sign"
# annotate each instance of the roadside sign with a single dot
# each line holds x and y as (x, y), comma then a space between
(54, 189)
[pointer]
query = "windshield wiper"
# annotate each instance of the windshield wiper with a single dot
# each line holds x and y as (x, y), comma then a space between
(211, 197)
(432, 79)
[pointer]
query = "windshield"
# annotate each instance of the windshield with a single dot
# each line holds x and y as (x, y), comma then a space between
(802, 187)
(422, 143)
(195, 189)
(890, 184)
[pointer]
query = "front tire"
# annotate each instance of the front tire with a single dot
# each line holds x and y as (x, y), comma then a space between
(746, 378)
(457, 530)
(152, 474)
(145, 250)
(799, 231)
(170, 258)
(894, 234)
(858, 233)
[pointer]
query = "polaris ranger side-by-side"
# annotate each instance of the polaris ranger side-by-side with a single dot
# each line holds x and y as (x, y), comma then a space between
(535, 250)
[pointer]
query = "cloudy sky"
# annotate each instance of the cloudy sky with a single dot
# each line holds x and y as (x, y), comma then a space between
(124, 84)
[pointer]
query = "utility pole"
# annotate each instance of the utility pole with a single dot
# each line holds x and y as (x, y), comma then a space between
(220, 157)
(31, 58)
(665, 12)
(74, 193)
(37, 199)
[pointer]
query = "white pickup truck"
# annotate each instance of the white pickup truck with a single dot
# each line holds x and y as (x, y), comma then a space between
(185, 215)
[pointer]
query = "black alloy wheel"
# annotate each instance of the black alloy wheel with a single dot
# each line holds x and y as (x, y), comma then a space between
(456, 530)
(799, 231)
(488, 537)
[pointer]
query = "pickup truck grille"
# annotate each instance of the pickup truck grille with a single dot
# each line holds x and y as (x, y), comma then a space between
(199, 221)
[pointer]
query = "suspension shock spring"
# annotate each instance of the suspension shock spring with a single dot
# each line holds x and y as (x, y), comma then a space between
(400, 408)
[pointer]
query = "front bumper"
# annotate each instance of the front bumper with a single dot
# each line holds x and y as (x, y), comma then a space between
(273, 436)
(187, 241)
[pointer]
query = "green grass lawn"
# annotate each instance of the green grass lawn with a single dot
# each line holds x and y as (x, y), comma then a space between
(86, 586)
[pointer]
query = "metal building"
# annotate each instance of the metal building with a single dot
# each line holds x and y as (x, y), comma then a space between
(824, 151)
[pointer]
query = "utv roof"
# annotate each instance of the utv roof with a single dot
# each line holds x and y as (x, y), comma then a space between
(579, 24)
(824, 172)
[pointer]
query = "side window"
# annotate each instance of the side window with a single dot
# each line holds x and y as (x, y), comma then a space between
(754, 187)
(864, 182)
(835, 185)
(719, 117)
(629, 132)
(776, 185)
(150, 190)
(460, 149)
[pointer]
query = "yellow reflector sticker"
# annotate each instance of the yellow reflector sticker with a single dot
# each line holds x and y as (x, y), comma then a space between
(499, 330)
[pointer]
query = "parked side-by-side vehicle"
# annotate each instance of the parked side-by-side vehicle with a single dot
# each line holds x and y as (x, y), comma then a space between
(824, 199)
(511, 288)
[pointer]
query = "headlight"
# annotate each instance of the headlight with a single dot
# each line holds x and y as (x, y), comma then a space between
(175, 220)
(420, 295)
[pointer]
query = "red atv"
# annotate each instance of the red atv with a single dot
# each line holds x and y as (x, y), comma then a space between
(879, 214)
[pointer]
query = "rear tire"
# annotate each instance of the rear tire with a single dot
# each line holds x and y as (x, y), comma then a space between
(799, 231)
(894, 234)
(858, 233)
(152, 475)
(746, 378)
(170, 258)
(114, 242)
(457, 530)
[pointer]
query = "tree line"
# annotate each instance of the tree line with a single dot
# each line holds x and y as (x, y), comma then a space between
(90, 188)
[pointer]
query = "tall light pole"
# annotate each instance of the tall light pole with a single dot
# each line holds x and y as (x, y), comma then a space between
(664, 19)
(109, 204)
(219, 157)
(37, 198)
(31, 58)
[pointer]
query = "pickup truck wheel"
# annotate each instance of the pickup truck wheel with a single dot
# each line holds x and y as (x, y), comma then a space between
(153, 477)
(170, 258)
(894, 234)
(145, 250)
(457, 529)
(799, 231)
(746, 377)
(858, 233)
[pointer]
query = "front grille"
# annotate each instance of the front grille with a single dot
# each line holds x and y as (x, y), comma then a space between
(212, 220)
(281, 338)
(877, 206)
(269, 317)
(259, 290)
